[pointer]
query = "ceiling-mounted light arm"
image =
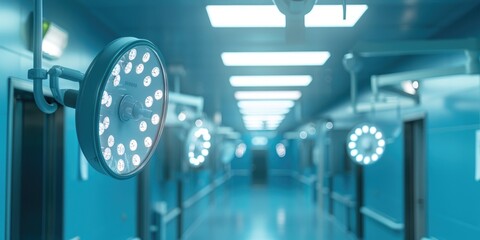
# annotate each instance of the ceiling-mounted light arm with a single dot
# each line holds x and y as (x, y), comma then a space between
(57, 72)
(295, 11)
(37, 73)
(352, 64)
(386, 81)
(196, 102)
(344, 9)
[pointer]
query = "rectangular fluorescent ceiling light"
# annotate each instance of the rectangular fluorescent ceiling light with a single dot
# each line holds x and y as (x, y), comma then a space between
(310, 58)
(268, 95)
(238, 16)
(271, 81)
(235, 16)
(271, 111)
(263, 118)
(262, 104)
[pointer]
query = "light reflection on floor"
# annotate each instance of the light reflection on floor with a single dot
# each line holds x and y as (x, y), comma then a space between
(278, 210)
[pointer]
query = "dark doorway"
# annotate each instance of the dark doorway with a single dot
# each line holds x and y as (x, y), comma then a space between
(415, 179)
(259, 166)
(36, 171)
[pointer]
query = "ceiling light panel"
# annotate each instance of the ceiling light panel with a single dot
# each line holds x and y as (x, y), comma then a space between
(245, 16)
(262, 104)
(271, 81)
(332, 15)
(268, 95)
(269, 111)
(310, 58)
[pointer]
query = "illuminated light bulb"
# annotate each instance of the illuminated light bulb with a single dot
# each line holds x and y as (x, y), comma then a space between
(139, 68)
(146, 57)
(354, 152)
(381, 143)
(143, 126)
(111, 141)
(374, 157)
(358, 131)
(207, 145)
(107, 153)
(133, 145)
(353, 137)
(106, 122)
(132, 54)
(198, 123)
(147, 81)
(201, 159)
(379, 151)
(147, 142)
(359, 158)
(365, 129)
(155, 71)
(191, 154)
(366, 160)
(104, 97)
(109, 101)
(182, 116)
(373, 130)
(155, 119)
(120, 149)
(378, 135)
(116, 70)
(148, 101)
(120, 165)
(352, 145)
(128, 68)
(207, 137)
(116, 80)
(158, 94)
(204, 152)
(101, 129)
(136, 160)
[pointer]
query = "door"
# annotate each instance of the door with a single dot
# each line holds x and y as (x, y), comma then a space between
(36, 171)
(259, 166)
(415, 180)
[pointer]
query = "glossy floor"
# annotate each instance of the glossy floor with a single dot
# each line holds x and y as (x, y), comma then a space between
(282, 209)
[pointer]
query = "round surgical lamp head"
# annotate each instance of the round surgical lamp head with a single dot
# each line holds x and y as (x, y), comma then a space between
(198, 146)
(365, 144)
(121, 107)
(240, 150)
(281, 150)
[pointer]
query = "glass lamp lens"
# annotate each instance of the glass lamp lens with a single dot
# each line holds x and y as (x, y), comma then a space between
(135, 74)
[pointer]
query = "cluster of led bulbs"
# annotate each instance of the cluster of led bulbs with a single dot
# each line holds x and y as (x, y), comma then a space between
(198, 146)
(130, 110)
(366, 144)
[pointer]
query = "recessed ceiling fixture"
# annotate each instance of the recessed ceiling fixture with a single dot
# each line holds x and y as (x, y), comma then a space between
(268, 95)
(271, 81)
(120, 106)
(264, 104)
(305, 58)
(237, 16)
(365, 144)
(269, 111)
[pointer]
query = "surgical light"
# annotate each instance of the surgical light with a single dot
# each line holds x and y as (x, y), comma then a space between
(271, 81)
(119, 114)
(365, 144)
(280, 149)
(198, 145)
(307, 58)
(240, 150)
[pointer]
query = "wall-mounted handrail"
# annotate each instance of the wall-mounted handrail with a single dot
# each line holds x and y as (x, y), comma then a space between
(204, 191)
(384, 220)
(343, 199)
(174, 213)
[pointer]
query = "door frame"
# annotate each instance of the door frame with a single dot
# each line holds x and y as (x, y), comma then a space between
(415, 165)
